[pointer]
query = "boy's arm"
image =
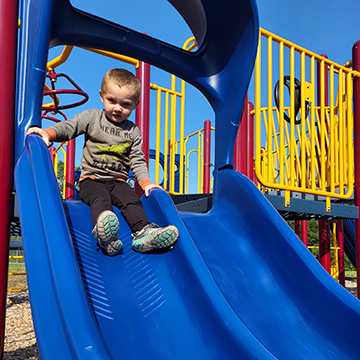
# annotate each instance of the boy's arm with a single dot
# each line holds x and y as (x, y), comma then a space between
(47, 135)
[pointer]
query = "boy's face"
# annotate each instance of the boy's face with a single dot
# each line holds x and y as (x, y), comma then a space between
(119, 102)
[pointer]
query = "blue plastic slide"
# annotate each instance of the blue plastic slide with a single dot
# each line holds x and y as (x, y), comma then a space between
(238, 285)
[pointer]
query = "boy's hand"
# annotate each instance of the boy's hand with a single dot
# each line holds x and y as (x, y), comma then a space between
(43, 134)
(150, 187)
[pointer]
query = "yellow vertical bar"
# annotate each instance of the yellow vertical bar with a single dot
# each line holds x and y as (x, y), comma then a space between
(302, 164)
(350, 148)
(312, 126)
(166, 142)
(182, 129)
(281, 114)
(158, 135)
(322, 124)
(342, 141)
(258, 153)
(172, 134)
(292, 117)
(269, 110)
(331, 152)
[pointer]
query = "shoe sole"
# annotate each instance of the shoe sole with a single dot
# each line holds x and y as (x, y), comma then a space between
(163, 239)
(107, 231)
(107, 225)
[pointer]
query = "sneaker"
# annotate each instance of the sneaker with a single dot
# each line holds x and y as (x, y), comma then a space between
(153, 237)
(106, 232)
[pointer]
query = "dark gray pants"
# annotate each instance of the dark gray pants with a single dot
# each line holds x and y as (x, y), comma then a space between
(101, 195)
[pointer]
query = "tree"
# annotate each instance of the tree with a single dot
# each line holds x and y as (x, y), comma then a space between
(60, 175)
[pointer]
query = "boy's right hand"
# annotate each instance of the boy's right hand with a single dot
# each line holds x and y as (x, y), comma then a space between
(43, 134)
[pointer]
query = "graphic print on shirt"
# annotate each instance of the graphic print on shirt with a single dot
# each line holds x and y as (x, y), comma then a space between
(115, 151)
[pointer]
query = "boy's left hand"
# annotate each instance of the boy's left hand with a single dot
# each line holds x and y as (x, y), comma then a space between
(150, 187)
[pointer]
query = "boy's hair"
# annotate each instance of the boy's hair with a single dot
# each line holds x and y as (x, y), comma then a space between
(122, 77)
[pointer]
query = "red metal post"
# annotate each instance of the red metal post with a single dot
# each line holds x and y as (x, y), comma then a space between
(250, 142)
(207, 149)
(297, 228)
(52, 151)
(340, 236)
(304, 232)
(142, 117)
(8, 40)
(324, 245)
(324, 233)
(356, 112)
(241, 145)
(70, 170)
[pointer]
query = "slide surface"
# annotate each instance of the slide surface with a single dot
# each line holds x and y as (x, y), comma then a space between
(238, 285)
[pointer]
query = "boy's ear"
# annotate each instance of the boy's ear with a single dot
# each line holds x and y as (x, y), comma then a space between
(101, 96)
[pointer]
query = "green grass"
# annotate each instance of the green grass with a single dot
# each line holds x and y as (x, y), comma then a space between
(17, 281)
(351, 275)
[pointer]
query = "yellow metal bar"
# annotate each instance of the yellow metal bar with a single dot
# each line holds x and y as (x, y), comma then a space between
(350, 124)
(292, 116)
(51, 65)
(258, 155)
(169, 91)
(331, 156)
(281, 114)
(342, 141)
(269, 104)
(172, 135)
(158, 134)
(182, 129)
(123, 58)
(166, 142)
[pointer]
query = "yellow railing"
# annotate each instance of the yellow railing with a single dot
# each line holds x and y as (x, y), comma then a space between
(198, 150)
(308, 131)
(167, 114)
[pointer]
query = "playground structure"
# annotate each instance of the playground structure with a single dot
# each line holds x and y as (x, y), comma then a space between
(236, 292)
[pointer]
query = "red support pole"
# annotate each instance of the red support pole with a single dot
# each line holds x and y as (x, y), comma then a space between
(70, 170)
(241, 145)
(356, 112)
(8, 40)
(297, 228)
(207, 164)
(250, 142)
(52, 151)
(324, 245)
(142, 117)
(340, 236)
(304, 232)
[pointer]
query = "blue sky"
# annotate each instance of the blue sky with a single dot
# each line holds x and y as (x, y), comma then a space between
(320, 26)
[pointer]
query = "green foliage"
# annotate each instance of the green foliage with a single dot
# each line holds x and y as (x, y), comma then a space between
(60, 175)
(313, 240)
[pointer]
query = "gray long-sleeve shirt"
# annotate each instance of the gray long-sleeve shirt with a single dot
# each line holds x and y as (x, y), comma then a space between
(110, 149)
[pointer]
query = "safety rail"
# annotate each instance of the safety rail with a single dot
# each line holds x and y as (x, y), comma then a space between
(308, 130)
(199, 152)
(168, 115)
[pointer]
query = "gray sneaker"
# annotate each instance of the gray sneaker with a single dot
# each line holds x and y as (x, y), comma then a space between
(106, 232)
(153, 237)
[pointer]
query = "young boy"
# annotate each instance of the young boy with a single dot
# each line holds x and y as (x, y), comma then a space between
(113, 147)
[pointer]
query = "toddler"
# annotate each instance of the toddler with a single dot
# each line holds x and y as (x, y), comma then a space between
(113, 147)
